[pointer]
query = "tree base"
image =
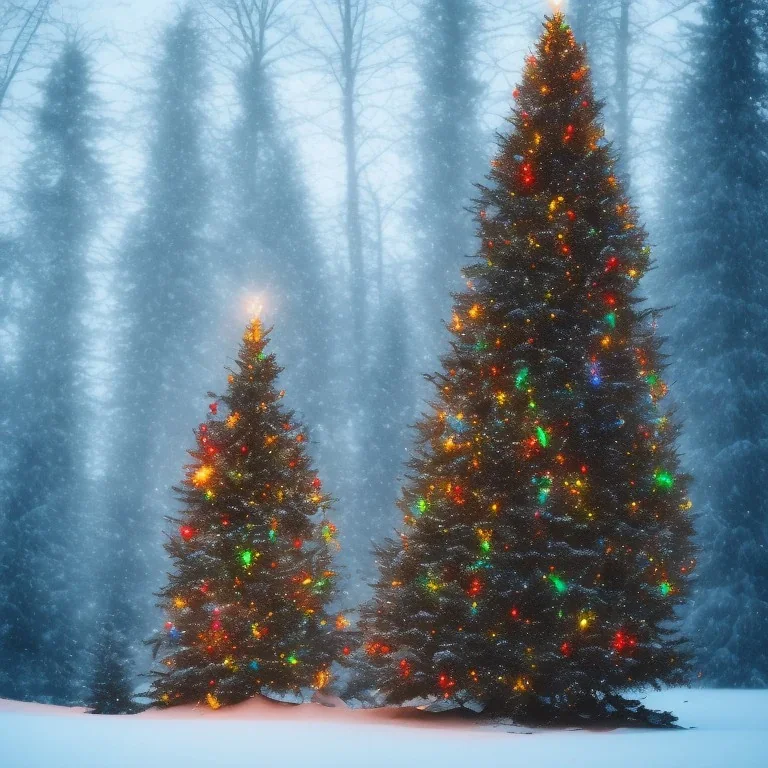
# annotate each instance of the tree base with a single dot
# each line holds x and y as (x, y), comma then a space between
(610, 712)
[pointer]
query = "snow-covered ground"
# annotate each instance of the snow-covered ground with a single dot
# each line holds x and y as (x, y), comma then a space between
(724, 728)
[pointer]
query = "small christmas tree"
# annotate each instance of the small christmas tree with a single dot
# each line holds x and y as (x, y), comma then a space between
(110, 690)
(547, 536)
(247, 599)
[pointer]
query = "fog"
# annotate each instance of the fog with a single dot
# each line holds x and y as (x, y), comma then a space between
(170, 170)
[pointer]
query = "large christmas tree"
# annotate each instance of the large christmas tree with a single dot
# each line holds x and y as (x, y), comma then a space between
(547, 537)
(247, 599)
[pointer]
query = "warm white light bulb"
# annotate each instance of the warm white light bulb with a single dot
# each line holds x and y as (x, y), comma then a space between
(254, 305)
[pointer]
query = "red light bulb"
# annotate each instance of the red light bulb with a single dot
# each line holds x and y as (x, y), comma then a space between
(186, 532)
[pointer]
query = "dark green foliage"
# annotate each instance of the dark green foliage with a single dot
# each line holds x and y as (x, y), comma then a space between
(111, 690)
(389, 415)
(43, 465)
(713, 272)
(165, 325)
(547, 534)
(247, 600)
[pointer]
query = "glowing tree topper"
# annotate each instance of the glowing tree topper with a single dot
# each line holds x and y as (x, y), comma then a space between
(247, 598)
(547, 536)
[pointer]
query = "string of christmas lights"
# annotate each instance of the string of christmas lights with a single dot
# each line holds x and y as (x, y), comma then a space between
(247, 600)
(547, 529)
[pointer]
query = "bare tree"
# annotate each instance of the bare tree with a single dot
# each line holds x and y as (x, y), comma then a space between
(623, 120)
(20, 23)
(346, 23)
(248, 35)
(359, 48)
(249, 29)
(271, 237)
(630, 48)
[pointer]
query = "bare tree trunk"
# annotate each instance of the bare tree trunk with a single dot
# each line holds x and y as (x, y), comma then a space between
(354, 223)
(623, 119)
(378, 228)
(347, 28)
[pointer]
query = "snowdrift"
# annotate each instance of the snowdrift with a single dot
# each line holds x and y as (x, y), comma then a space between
(720, 728)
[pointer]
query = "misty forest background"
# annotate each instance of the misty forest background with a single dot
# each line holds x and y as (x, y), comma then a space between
(166, 169)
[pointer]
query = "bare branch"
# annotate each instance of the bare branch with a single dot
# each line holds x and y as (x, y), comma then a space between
(19, 27)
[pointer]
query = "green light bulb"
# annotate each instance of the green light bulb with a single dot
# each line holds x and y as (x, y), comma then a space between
(558, 583)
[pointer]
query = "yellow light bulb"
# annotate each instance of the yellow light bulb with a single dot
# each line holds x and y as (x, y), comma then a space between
(202, 476)
(342, 622)
(253, 333)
